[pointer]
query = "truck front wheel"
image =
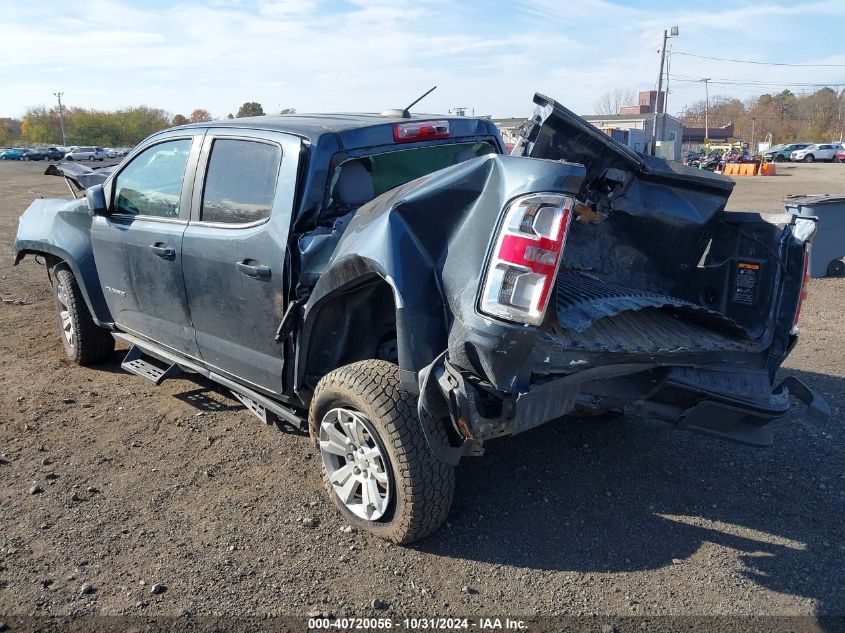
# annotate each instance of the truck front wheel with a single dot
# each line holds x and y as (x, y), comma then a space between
(84, 341)
(377, 466)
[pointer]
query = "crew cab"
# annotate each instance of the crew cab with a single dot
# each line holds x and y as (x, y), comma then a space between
(407, 292)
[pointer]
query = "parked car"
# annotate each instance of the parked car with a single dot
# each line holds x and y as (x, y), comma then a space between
(781, 153)
(87, 153)
(14, 153)
(44, 153)
(406, 292)
(690, 157)
(839, 157)
(812, 153)
(111, 152)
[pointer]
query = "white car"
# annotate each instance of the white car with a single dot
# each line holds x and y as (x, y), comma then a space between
(815, 152)
(87, 153)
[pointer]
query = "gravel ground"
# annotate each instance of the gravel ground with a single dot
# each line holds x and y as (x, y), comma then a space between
(119, 497)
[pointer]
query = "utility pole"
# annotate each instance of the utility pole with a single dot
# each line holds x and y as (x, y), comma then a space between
(673, 32)
(706, 110)
(666, 97)
(753, 124)
(58, 95)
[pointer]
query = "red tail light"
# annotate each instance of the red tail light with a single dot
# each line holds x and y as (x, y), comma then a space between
(420, 131)
(805, 278)
(524, 265)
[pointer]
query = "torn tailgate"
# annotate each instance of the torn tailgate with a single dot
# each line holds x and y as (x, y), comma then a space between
(664, 302)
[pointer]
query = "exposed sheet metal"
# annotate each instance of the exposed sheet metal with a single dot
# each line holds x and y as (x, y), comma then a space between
(80, 175)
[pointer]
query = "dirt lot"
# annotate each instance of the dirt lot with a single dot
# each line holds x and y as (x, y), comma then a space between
(138, 486)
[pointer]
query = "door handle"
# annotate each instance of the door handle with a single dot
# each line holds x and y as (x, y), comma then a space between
(256, 270)
(163, 250)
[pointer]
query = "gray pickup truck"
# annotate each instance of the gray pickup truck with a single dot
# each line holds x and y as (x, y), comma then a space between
(406, 291)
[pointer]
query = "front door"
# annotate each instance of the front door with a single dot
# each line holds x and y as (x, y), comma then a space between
(234, 252)
(138, 245)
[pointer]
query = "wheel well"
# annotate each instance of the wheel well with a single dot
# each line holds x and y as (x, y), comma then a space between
(352, 325)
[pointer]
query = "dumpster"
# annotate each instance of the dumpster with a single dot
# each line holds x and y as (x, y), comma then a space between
(828, 249)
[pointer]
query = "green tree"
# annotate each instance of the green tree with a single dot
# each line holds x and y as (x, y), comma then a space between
(250, 108)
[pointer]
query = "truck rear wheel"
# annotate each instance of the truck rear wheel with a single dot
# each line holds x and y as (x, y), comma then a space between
(377, 466)
(85, 342)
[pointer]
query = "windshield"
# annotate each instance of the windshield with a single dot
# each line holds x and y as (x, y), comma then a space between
(359, 180)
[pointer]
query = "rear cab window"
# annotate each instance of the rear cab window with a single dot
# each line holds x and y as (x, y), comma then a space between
(240, 183)
(356, 181)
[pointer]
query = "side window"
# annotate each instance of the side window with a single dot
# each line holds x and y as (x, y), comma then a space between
(240, 183)
(152, 183)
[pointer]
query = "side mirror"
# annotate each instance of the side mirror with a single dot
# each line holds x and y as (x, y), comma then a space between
(96, 198)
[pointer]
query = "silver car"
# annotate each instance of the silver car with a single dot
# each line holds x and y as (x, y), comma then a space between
(87, 153)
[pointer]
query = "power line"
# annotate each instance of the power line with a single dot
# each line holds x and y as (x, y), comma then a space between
(748, 61)
(753, 82)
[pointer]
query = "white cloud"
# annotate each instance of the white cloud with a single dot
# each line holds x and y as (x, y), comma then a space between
(368, 55)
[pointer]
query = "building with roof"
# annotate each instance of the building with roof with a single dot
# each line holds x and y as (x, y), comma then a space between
(634, 130)
(694, 137)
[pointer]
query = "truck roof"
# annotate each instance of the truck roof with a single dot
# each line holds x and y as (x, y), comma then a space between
(353, 128)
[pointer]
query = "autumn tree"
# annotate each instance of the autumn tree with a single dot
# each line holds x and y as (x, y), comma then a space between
(200, 115)
(613, 100)
(250, 108)
(10, 130)
(180, 119)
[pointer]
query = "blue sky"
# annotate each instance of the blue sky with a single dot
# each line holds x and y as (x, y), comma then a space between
(359, 55)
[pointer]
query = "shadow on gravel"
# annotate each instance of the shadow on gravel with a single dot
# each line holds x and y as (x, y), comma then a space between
(631, 495)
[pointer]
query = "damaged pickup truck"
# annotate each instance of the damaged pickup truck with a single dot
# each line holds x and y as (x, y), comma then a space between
(408, 292)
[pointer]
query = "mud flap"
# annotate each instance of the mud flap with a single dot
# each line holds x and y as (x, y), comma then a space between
(434, 406)
(815, 408)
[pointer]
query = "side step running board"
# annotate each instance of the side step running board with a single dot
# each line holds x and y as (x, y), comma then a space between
(142, 352)
(135, 363)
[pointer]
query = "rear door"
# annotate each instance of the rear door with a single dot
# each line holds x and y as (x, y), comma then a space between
(138, 246)
(234, 252)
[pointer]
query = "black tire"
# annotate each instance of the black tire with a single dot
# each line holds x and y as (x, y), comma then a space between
(91, 159)
(422, 487)
(88, 342)
(809, 158)
(836, 268)
(779, 159)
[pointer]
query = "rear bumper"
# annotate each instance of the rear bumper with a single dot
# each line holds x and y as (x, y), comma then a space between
(724, 402)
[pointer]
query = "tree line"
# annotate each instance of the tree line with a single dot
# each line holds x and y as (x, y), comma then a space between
(117, 128)
(812, 117)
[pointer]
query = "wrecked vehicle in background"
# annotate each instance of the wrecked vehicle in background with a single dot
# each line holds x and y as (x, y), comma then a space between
(418, 293)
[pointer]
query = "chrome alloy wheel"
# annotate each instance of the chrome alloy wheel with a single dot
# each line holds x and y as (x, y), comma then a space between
(64, 315)
(355, 463)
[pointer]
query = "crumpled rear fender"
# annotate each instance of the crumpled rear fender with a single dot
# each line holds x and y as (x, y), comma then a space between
(62, 229)
(429, 240)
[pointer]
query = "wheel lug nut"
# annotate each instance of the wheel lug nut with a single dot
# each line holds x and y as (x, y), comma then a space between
(350, 457)
(356, 470)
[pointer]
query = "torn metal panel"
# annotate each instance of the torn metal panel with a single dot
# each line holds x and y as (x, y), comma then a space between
(80, 176)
